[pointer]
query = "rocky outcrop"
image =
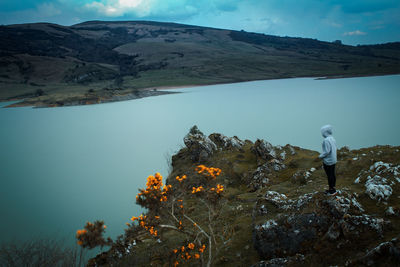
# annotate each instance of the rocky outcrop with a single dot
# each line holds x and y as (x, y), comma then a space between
(263, 150)
(385, 254)
(200, 146)
(229, 143)
(273, 211)
(281, 262)
(379, 180)
(311, 219)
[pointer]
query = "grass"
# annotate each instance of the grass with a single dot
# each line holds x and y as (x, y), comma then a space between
(236, 211)
(175, 55)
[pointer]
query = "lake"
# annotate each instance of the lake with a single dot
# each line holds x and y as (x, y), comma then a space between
(61, 167)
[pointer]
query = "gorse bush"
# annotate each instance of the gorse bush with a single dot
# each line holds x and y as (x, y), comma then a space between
(92, 235)
(201, 239)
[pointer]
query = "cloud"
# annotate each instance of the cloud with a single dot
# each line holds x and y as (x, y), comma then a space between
(356, 32)
(165, 9)
(118, 8)
(48, 10)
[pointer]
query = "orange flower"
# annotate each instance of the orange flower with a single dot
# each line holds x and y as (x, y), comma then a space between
(157, 217)
(213, 172)
(203, 247)
(182, 248)
(197, 256)
(198, 189)
(176, 263)
(134, 218)
(175, 251)
(191, 246)
(104, 226)
(180, 179)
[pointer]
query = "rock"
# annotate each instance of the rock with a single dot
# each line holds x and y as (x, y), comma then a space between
(260, 177)
(291, 149)
(275, 198)
(288, 236)
(263, 150)
(376, 188)
(281, 262)
(200, 146)
(333, 232)
(385, 254)
(379, 180)
(224, 142)
(276, 165)
(305, 220)
(301, 177)
(392, 211)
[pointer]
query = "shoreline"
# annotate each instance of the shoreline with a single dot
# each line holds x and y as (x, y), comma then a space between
(152, 91)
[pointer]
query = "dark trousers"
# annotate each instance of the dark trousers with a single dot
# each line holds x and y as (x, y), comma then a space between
(330, 172)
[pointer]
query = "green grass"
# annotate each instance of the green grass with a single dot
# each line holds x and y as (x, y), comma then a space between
(236, 209)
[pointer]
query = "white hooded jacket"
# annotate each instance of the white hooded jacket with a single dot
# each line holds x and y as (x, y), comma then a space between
(328, 146)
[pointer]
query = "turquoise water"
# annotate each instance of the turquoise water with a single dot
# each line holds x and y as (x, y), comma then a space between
(61, 167)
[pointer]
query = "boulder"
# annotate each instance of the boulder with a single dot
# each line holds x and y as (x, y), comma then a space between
(224, 142)
(260, 177)
(379, 180)
(309, 220)
(200, 146)
(281, 262)
(263, 150)
(385, 254)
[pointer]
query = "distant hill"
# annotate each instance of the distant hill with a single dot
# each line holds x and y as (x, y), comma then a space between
(49, 64)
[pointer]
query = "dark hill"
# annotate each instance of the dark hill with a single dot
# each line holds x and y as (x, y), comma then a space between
(96, 61)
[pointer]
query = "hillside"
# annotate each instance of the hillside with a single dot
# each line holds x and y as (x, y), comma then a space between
(96, 61)
(229, 202)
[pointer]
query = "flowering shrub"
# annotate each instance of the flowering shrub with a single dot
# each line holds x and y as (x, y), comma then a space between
(166, 210)
(154, 193)
(185, 253)
(208, 171)
(92, 235)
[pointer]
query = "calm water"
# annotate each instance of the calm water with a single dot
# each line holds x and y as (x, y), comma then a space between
(61, 167)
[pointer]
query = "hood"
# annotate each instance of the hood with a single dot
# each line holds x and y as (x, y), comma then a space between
(326, 130)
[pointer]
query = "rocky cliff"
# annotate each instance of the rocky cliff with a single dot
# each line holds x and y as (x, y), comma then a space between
(270, 209)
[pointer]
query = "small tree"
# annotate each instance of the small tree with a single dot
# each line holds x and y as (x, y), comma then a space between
(165, 206)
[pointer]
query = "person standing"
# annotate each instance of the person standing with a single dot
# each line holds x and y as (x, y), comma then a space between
(329, 157)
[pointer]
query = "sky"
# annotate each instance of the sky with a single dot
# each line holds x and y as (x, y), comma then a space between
(351, 21)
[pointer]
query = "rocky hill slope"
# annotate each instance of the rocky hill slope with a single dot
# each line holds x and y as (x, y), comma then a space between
(230, 202)
(97, 61)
